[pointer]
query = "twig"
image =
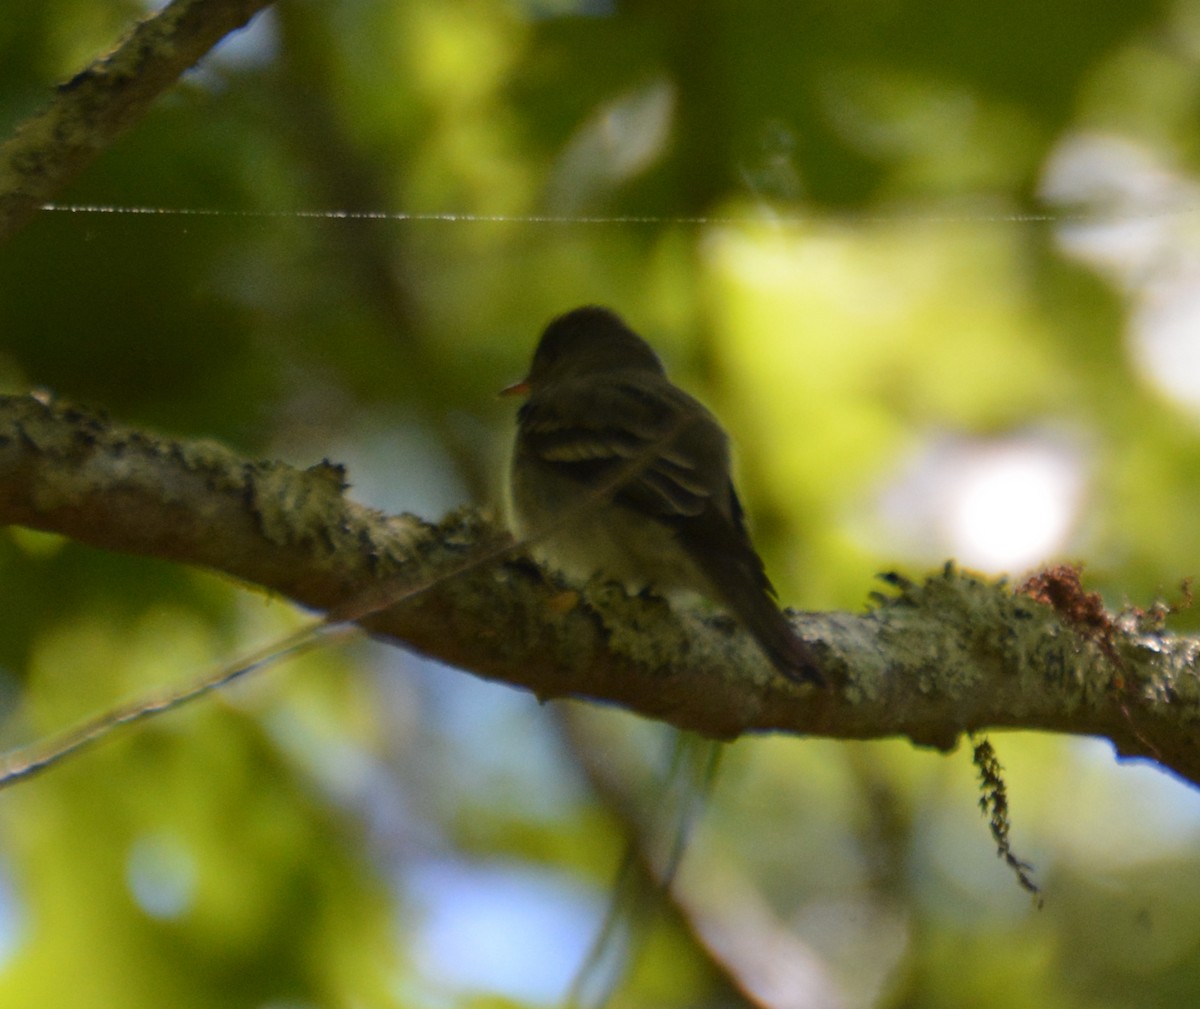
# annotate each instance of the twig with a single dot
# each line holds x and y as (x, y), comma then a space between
(105, 99)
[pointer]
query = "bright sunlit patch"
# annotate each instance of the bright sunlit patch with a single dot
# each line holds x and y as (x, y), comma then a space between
(383, 455)
(459, 54)
(1001, 506)
(1012, 506)
(1159, 818)
(507, 929)
(1165, 337)
(497, 748)
(255, 45)
(161, 874)
(1140, 229)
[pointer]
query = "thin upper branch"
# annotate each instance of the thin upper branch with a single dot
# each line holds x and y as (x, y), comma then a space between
(88, 112)
(930, 661)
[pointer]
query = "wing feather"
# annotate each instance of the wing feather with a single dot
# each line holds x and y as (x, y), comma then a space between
(575, 436)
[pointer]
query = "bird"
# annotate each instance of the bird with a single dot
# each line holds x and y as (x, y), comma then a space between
(615, 470)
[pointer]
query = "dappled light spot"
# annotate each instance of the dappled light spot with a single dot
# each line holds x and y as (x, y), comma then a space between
(516, 930)
(160, 871)
(1000, 505)
(1139, 231)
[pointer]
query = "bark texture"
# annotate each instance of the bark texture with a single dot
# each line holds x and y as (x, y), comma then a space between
(931, 660)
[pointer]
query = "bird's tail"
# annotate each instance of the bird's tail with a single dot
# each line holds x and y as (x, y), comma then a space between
(788, 652)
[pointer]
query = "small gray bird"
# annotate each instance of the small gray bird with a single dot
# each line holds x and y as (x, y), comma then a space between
(631, 475)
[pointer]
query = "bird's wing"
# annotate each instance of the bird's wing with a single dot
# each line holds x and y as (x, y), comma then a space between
(656, 444)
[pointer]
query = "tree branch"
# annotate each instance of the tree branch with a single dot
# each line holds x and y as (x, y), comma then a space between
(728, 924)
(956, 653)
(99, 103)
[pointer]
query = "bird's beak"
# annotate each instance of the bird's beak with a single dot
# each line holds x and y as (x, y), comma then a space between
(520, 388)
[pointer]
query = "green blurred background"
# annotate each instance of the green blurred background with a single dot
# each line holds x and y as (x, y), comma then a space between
(935, 264)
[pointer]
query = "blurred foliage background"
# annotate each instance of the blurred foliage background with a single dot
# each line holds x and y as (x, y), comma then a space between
(937, 267)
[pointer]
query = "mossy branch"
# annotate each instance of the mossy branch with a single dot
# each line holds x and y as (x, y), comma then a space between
(955, 653)
(111, 94)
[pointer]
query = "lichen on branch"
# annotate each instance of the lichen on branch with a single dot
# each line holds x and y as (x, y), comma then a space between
(931, 660)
